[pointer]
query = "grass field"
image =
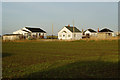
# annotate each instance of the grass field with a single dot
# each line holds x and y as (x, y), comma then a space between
(73, 59)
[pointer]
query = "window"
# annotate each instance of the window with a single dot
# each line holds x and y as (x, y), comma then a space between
(68, 35)
(63, 35)
(39, 34)
(64, 32)
(109, 34)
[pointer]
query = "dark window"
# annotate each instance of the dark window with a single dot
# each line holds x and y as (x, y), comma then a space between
(109, 34)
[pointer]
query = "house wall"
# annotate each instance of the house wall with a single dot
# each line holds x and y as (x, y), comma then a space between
(39, 35)
(88, 32)
(113, 34)
(104, 35)
(92, 34)
(45, 35)
(66, 34)
(15, 37)
(76, 36)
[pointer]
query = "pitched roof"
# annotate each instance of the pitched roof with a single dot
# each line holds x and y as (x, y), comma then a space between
(25, 31)
(105, 30)
(35, 29)
(91, 30)
(71, 29)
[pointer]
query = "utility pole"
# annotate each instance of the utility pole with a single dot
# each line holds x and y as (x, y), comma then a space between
(73, 29)
(52, 31)
(73, 25)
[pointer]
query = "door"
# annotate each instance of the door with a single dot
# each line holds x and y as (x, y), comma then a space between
(88, 35)
(64, 36)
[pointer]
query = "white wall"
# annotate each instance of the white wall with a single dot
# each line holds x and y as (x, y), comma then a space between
(68, 34)
(91, 33)
(77, 36)
(113, 34)
(11, 37)
(88, 32)
(45, 35)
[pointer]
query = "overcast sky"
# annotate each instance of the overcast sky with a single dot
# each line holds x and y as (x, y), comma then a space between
(16, 15)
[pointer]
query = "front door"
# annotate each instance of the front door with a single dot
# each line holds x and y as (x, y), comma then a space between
(64, 36)
(88, 35)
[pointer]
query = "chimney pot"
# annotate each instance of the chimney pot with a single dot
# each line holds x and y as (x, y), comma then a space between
(68, 25)
(98, 29)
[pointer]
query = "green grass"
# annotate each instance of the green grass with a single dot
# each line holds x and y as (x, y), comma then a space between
(76, 59)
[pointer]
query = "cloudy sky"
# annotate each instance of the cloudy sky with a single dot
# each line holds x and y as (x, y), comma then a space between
(16, 15)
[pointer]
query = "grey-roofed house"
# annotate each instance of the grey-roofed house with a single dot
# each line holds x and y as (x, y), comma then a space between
(69, 33)
(31, 32)
(105, 33)
(90, 33)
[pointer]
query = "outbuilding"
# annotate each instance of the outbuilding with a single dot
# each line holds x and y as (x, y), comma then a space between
(12, 36)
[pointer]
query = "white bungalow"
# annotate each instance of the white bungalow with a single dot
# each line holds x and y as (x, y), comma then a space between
(33, 32)
(69, 33)
(105, 33)
(90, 33)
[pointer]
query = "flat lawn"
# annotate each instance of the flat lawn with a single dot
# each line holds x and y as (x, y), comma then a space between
(75, 59)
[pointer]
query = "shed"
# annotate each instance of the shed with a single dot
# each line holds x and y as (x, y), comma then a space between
(11, 36)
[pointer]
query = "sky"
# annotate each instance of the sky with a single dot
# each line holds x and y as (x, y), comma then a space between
(16, 15)
(60, 0)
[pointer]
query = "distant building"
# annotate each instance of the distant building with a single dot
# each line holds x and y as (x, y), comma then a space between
(105, 33)
(31, 32)
(117, 33)
(69, 33)
(90, 33)
(12, 36)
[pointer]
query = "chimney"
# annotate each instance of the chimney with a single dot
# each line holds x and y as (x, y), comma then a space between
(68, 25)
(98, 29)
